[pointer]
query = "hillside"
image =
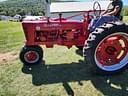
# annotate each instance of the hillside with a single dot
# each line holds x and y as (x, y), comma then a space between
(22, 7)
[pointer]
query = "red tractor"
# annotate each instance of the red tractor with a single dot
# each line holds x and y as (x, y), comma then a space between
(105, 49)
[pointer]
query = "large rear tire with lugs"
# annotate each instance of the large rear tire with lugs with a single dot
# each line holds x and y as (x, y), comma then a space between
(106, 49)
(80, 47)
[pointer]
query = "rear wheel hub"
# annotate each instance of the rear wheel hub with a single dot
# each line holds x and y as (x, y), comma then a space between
(112, 51)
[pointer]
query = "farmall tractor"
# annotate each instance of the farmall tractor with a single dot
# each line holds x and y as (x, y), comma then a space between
(105, 50)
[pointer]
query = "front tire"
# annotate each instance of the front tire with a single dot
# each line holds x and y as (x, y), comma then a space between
(106, 49)
(31, 55)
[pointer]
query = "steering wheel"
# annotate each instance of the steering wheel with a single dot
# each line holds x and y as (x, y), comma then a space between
(97, 8)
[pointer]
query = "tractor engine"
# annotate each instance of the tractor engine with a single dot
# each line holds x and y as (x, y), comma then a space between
(53, 35)
(54, 31)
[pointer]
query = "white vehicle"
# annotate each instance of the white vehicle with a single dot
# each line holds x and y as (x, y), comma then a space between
(17, 18)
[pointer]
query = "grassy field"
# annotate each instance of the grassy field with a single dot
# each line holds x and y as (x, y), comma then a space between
(62, 73)
(125, 19)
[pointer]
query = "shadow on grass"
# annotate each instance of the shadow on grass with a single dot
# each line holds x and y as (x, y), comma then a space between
(115, 85)
(56, 73)
(79, 52)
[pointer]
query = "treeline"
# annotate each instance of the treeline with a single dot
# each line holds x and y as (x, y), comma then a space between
(28, 7)
(22, 7)
(125, 10)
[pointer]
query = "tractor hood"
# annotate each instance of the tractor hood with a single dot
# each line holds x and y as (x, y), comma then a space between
(34, 18)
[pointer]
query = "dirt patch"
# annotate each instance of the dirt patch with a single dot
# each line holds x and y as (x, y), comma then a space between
(4, 57)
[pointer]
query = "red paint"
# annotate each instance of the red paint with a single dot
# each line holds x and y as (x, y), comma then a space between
(109, 50)
(31, 56)
(60, 31)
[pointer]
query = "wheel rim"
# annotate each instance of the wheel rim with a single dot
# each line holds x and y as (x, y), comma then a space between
(31, 56)
(112, 52)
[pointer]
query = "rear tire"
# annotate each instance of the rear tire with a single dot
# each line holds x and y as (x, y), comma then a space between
(105, 57)
(31, 55)
(80, 47)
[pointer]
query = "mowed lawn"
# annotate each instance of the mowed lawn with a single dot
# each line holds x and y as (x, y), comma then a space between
(62, 72)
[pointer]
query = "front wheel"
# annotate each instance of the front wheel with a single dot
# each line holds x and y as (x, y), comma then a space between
(106, 49)
(31, 55)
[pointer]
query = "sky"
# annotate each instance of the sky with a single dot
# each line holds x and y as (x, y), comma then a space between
(124, 1)
(2, 0)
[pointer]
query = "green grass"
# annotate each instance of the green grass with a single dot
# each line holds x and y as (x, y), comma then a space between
(64, 72)
(125, 19)
(11, 35)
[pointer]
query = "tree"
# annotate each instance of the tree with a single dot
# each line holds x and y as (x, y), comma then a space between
(125, 11)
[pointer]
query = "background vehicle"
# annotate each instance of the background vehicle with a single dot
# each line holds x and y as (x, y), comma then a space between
(105, 50)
